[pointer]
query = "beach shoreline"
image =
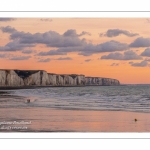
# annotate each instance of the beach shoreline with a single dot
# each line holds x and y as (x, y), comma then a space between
(30, 87)
(36, 87)
(46, 119)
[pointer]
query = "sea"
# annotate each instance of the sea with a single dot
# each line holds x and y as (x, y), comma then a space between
(134, 98)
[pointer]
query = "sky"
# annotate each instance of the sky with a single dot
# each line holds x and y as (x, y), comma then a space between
(116, 48)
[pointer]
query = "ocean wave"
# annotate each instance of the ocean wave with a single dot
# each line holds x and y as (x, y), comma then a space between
(126, 98)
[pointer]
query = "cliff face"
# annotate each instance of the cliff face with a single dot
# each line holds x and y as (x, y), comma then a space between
(101, 81)
(52, 79)
(42, 78)
(2, 77)
(66, 80)
(10, 78)
(33, 79)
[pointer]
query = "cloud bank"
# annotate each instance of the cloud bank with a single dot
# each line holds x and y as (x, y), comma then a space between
(128, 55)
(140, 42)
(6, 19)
(51, 39)
(44, 60)
(117, 32)
(146, 52)
(64, 58)
(8, 29)
(140, 64)
(114, 64)
(20, 58)
(69, 41)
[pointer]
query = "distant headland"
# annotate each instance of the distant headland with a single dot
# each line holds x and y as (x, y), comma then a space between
(23, 78)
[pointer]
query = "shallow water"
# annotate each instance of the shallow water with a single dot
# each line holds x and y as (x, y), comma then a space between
(134, 98)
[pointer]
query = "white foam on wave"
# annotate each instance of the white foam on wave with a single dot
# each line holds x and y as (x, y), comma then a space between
(92, 97)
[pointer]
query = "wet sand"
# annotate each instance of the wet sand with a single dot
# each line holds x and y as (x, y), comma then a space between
(53, 120)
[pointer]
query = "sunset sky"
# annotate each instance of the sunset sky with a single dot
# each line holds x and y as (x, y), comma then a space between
(100, 47)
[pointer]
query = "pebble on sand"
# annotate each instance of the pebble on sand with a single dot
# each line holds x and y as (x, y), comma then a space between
(135, 119)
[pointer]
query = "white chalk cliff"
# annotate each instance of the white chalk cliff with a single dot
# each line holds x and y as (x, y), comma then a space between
(42, 78)
(101, 81)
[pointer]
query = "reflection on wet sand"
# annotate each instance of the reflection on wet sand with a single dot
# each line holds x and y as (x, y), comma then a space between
(57, 120)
